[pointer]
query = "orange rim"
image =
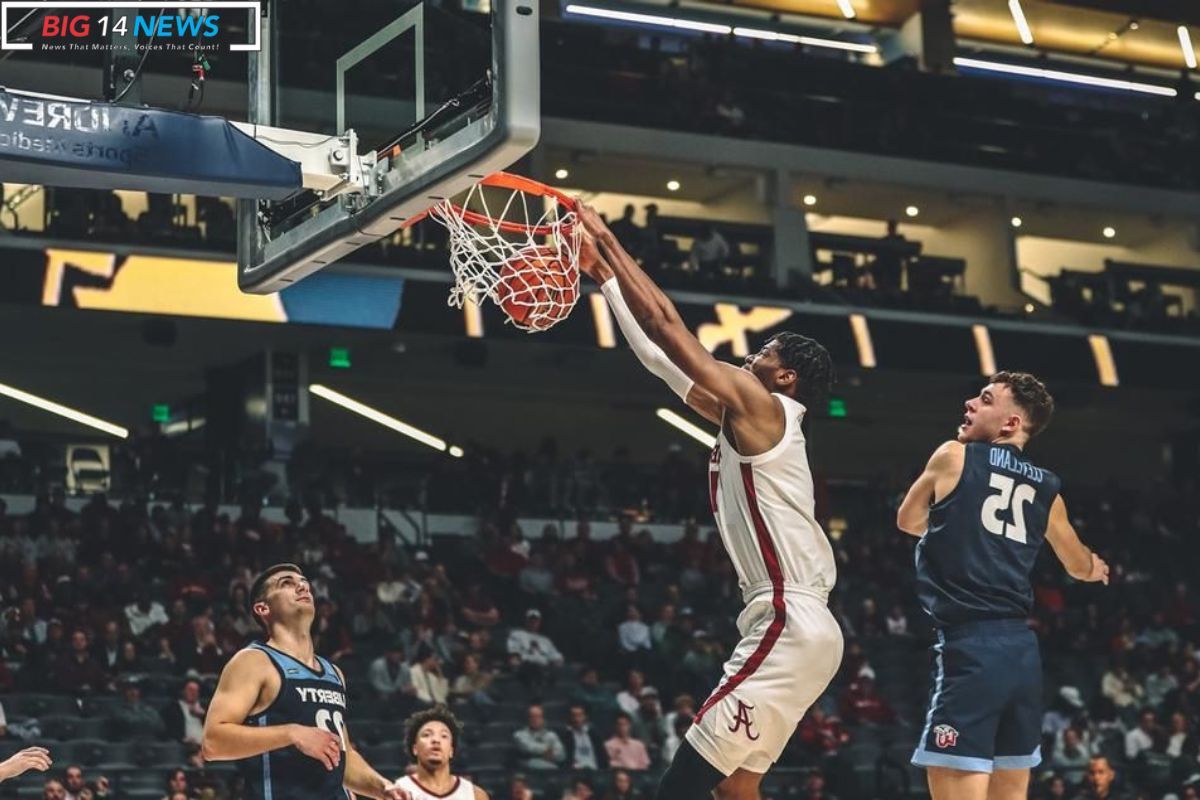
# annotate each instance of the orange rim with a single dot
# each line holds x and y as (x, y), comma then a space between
(506, 180)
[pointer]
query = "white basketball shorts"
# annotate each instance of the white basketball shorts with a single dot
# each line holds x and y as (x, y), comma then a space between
(790, 650)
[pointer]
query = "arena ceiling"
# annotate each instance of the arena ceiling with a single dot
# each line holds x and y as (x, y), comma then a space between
(1131, 31)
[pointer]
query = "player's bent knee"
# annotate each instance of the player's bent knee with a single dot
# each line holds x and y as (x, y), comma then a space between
(690, 776)
(741, 785)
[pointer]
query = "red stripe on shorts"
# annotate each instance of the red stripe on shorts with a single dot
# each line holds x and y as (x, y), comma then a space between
(771, 560)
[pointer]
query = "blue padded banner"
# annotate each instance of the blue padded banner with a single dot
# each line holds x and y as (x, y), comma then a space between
(63, 142)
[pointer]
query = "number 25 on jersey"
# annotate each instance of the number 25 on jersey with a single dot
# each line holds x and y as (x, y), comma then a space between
(1012, 497)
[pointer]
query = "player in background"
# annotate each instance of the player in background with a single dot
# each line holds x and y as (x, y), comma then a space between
(761, 492)
(429, 737)
(280, 709)
(982, 510)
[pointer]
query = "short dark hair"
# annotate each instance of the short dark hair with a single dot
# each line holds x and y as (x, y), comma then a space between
(439, 713)
(810, 361)
(1031, 396)
(258, 589)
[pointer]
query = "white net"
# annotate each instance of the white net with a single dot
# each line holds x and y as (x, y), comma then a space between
(519, 250)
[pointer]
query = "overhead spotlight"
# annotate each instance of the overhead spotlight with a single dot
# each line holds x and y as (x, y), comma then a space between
(1185, 42)
(1017, 222)
(1110, 232)
(377, 416)
(561, 174)
(1112, 36)
(1077, 78)
(912, 211)
(456, 451)
(72, 414)
(1134, 25)
(847, 9)
(1029, 308)
(672, 186)
(810, 199)
(679, 423)
(1018, 15)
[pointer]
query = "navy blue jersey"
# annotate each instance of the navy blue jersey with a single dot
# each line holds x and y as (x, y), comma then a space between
(306, 697)
(975, 561)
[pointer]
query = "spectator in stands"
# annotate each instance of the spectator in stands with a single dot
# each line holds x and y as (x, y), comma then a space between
(538, 747)
(1098, 782)
(518, 789)
(1179, 733)
(700, 664)
(1054, 789)
(1120, 685)
(391, 678)
(73, 781)
(1157, 634)
(622, 787)
(624, 750)
(78, 672)
(1062, 713)
(108, 650)
(54, 790)
(822, 734)
(580, 789)
(585, 749)
(598, 701)
(629, 698)
(627, 231)
(432, 686)
(1070, 758)
(531, 653)
(897, 622)
(1160, 683)
(185, 717)
(814, 787)
(478, 609)
(649, 722)
(862, 703)
(134, 718)
(1141, 738)
(535, 578)
(633, 635)
(177, 783)
(709, 252)
(676, 729)
(652, 240)
(887, 269)
(473, 684)
(199, 654)
(621, 565)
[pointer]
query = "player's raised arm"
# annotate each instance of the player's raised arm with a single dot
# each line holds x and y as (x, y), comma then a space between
(1080, 562)
(227, 737)
(940, 476)
(651, 355)
(732, 388)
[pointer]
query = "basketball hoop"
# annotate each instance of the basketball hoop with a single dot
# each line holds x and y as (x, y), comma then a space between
(516, 250)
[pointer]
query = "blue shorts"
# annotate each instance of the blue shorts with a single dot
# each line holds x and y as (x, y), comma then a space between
(985, 707)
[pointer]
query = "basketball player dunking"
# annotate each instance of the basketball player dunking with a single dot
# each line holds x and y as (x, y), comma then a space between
(430, 737)
(280, 708)
(761, 493)
(982, 510)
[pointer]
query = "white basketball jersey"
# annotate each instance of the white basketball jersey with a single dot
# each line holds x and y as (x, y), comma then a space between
(764, 509)
(463, 790)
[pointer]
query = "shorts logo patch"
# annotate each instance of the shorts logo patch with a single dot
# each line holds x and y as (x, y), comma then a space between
(742, 717)
(945, 736)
